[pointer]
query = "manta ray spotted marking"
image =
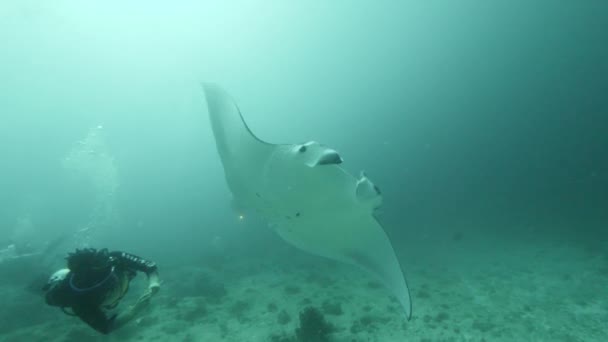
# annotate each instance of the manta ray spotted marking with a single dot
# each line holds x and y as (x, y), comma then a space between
(306, 196)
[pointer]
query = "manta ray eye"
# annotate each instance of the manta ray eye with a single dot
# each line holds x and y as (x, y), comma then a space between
(302, 149)
(377, 190)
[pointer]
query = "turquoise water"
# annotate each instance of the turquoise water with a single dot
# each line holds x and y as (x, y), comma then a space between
(484, 125)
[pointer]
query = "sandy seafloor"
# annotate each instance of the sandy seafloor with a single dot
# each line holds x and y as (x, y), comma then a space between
(523, 290)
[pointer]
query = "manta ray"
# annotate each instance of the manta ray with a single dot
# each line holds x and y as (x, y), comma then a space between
(305, 195)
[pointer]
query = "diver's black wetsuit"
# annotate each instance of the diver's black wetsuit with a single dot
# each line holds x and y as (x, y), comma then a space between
(90, 306)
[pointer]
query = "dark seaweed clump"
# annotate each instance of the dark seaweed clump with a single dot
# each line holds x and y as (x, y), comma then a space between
(313, 326)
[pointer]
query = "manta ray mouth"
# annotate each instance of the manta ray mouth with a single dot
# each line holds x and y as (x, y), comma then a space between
(330, 158)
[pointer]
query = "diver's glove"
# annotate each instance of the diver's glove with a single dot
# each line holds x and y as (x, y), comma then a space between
(127, 315)
(142, 302)
(153, 282)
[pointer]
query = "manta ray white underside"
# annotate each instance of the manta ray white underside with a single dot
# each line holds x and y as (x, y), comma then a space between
(310, 200)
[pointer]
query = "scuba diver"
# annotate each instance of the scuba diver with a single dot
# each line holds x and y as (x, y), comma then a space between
(95, 282)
